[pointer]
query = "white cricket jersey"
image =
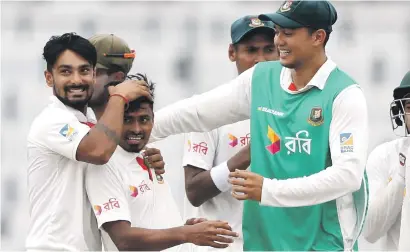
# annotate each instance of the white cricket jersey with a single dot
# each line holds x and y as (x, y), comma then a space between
(387, 189)
(207, 150)
(61, 217)
(122, 189)
(231, 102)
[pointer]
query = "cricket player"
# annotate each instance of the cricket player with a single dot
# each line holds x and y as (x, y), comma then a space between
(135, 209)
(114, 61)
(386, 170)
(60, 143)
(252, 42)
(309, 138)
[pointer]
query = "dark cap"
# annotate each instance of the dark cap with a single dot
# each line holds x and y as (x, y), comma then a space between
(244, 25)
(404, 88)
(112, 51)
(305, 13)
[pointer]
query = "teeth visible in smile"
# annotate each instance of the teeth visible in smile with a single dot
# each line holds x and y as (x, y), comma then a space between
(134, 137)
(284, 52)
(77, 89)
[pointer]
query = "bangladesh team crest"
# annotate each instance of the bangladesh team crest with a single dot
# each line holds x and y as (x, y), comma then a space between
(316, 117)
(402, 159)
(286, 6)
(256, 22)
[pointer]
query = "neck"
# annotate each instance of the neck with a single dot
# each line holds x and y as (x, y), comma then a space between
(99, 111)
(302, 75)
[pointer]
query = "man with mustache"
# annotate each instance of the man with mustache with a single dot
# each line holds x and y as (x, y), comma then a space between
(134, 208)
(114, 61)
(62, 140)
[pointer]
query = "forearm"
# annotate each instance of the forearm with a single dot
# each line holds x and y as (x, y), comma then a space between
(384, 208)
(140, 239)
(103, 138)
(226, 104)
(202, 187)
(327, 185)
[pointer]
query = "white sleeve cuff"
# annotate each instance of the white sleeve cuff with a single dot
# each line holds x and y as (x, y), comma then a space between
(220, 176)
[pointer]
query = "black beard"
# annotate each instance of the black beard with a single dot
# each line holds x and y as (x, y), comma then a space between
(78, 105)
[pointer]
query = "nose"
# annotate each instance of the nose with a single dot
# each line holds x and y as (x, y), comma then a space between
(77, 77)
(136, 127)
(260, 57)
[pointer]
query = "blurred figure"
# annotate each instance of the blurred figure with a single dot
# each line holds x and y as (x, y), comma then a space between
(207, 154)
(114, 61)
(135, 209)
(386, 169)
(61, 142)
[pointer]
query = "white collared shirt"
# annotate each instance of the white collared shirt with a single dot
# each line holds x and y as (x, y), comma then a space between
(122, 190)
(60, 214)
(230, 103)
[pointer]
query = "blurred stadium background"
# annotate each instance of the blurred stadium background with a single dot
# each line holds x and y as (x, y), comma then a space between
(183, 47)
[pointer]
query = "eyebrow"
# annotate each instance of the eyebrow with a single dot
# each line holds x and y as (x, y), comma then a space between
(70, 66)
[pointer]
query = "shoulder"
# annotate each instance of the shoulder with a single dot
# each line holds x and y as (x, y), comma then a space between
(385, 151)
(48, 118)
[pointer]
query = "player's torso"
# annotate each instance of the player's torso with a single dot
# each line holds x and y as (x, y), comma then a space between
(61, 216)
(393, 158)
(150, 202)
(231, 139)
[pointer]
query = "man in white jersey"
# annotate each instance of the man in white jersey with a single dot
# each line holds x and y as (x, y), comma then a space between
(386, 169)
(252, 42)
(60, 143)
(134, 208)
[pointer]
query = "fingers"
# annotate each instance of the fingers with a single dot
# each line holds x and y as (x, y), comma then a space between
(225, 232)
(242, 196)
(151, 152)
(240, 189)
(154, 158)
(240, 174)
(217, 245)
(221, 239)
(159, 171)
(194, 221)
(237, 182)
(221, 225)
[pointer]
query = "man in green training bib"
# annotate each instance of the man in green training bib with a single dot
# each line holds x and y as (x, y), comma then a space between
(309, 137)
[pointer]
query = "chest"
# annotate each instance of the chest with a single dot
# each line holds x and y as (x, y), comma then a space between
(231, 139)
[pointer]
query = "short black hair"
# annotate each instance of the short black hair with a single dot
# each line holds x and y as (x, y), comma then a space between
(136, 104)
(261, 30)
(312, 30)
(68, 41)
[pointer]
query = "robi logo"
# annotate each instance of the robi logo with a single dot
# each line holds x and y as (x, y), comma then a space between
(274, 138)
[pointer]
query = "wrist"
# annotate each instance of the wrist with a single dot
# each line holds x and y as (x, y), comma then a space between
(184, 234)
(122, 97)
(220, 176)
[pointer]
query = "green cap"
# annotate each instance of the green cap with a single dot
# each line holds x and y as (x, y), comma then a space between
(305, 13)
(112, 51)
(244, 25)
(404, 88)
